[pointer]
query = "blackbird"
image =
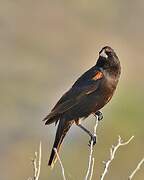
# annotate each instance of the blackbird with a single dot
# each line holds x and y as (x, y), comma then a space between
(87, 96)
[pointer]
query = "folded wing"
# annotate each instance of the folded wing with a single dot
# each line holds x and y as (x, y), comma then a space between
(82, 88)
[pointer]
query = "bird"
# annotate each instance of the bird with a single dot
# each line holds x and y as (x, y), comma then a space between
(88, 95)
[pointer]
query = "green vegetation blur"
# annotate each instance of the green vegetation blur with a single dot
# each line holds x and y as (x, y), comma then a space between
(44, 47)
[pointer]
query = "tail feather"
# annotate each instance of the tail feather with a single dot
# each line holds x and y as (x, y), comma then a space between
(62, 129)
(51, 118)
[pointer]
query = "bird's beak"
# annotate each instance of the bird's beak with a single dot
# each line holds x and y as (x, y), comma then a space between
(103, 54)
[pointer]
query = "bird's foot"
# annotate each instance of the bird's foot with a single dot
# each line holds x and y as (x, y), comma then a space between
(92, 140)
(99, 114)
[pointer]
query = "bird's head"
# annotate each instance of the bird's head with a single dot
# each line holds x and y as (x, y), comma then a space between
(107, 52)
(107, 58)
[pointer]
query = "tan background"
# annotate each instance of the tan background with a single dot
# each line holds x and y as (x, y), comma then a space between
(44, 46)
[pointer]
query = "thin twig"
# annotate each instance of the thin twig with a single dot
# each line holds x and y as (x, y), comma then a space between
(90, 160)
(36, 162)
(62, 168)
(39, 163)
(34, 166)
(91, 150)
(112, 154)
(136, 169)
(92, 168)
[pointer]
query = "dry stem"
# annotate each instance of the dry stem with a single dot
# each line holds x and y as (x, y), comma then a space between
(112, 154)
(136, 169)
(90, 167)
(62, 168)
(36, 162)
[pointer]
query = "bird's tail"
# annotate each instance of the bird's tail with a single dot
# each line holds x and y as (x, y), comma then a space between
(62, 129)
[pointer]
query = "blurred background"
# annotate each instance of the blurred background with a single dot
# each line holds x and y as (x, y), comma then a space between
(44, 47)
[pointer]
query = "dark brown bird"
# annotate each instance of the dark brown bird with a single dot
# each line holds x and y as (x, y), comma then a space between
(87, 96)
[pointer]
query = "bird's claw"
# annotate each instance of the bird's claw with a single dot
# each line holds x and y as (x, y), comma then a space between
(92, 140)
(100, 115)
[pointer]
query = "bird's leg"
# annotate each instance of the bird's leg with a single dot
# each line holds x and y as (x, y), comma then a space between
(89, 133)
(99, 114)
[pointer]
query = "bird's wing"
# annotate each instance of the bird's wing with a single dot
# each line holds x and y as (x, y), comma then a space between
(85, 85)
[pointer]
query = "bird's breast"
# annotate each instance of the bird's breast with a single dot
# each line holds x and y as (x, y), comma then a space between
(108, 87)
(105, 91)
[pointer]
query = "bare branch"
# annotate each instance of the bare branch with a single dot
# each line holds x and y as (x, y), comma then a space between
(91, 152)
(39, 163)
(34, 161)
(137, 168)
(62, 168)
(92, 168)
(112, 154)
(36, 167)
